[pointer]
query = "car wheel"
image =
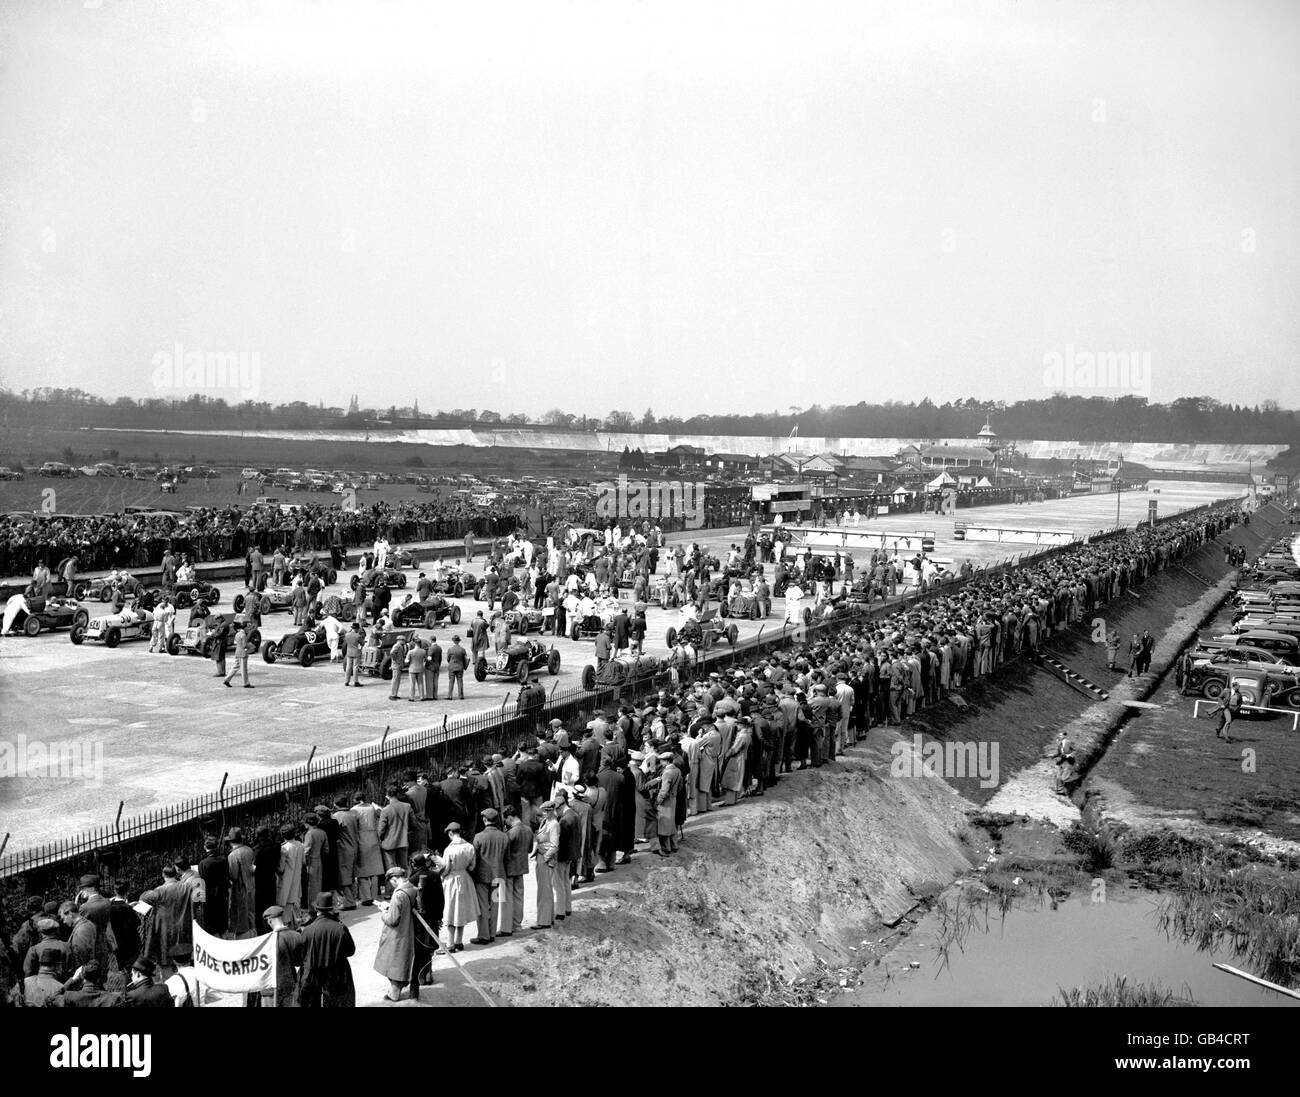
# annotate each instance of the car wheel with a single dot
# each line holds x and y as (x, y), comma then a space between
(1212, 690)
(355, 582)
(588, 677)
(455, 615)
(573, 631)
(306, 657)
(214, 596)
(112, 637)
(254, 638)
(522, 672)
(478, 592)
(78, 633)
(264, 606)
(386, 671)
(32, 626)
(80, 591)
(733, 633)
(238, 604)
(553, 662)
(173, 644)
(269, 652)
(401, 581)
(724, 610)
(81, 617)
(480, 669)
(807, 616)
(415, 565)
(672, 637)
(105, 594)
(753, 612)
(458, 590)
(332, 577)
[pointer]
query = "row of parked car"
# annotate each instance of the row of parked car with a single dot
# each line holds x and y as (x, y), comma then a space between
(1261, 652)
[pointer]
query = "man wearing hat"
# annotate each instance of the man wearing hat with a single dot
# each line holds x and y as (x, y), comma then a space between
(143, 991)
(395, 956)
(86, 989)
(534, 782)
(326, 974)
(290, 945)
(50, 955)
(490, 848)
(519, 844)
(457, 661)
(567, 854)
(545, 845)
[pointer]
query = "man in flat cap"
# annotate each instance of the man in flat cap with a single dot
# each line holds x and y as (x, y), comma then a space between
(395, 956)
(47, 981)
(290, 948)
(490, 848)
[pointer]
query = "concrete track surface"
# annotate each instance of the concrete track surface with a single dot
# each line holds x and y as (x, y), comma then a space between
(168, 729)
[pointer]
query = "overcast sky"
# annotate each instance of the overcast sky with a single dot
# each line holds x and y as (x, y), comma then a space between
(685, 206)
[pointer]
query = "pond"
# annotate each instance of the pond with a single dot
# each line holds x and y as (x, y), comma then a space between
(1026, 957)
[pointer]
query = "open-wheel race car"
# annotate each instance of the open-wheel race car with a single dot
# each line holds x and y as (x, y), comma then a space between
(55, 613)
(392, 577)
(198, 640)
(185, 595)
(702, 632)
(523, 621)
(302, 646)
(104, 588)
(456, 582)
(402, 558)
(309, 564)
(331, 605)
(518, 661)
(744, 604)
(269, 600)
(427, 614)
(114, 628)
(624, 670)
(377, 662)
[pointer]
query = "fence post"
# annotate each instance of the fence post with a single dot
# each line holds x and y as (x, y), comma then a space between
(383, 756)
(221, 794)
(308, 775)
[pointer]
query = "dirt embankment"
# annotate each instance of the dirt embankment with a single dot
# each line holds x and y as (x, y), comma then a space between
(757, 894)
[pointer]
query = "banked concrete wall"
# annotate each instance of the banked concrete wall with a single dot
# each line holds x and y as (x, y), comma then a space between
(1161, 454)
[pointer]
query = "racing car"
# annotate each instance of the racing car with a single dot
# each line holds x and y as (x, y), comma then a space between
(427, 614)
(86, 590)
(456, 582)
(702, 632)
(187, 594)
(377, 662)
(54, 614)
(524, 621)
(519, 660)
(744, 604)
(194, 640)
(370, 577)
(623, 670)
(304, 646)
(268, 601)
(113, 628)
(334, 606)
(402, 558)
(309, 565)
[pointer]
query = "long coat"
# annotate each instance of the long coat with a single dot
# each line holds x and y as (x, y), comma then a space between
(349, 834)
(612, 824)
(460, 901)
(289, 879)
(369, 861)
(215, 874)
(733, 773)
(241, 864)
(266, 871)
(170, 920)
(707, 760)
(670, 784)
(326, 974)
(395, 955)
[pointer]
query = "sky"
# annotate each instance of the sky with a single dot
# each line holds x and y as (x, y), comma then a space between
(693, 207)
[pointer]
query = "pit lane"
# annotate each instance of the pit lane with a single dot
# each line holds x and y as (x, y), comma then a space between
(169, 730)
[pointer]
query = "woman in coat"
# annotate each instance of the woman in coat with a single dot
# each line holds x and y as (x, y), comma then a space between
(429, 902)
(670, 786)
(395, 956)
(369, 860)
(733, 765)
(706, 765)
(459, 898)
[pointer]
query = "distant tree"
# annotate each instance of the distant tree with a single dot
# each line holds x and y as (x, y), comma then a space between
(558, 418)
(518, 418)
(489, 417)
(619, 420)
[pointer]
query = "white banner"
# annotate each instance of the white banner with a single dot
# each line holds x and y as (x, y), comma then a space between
(233, 967)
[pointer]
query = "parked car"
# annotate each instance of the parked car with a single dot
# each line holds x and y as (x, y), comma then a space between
(56, 613)
(7, 473)
(193, 640)
(518, 661)
(114, 628)
(1210, 677)
(303, 646)
(56, 468)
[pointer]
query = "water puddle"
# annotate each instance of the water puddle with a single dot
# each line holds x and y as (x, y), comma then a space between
(1026, 957)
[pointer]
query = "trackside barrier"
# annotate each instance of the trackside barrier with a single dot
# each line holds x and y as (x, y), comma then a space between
(453, 741)
(1293, 713)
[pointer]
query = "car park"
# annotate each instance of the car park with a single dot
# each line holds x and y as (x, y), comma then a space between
(518, 661)
(55, 613)
(114, 628)
(1209, 677)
